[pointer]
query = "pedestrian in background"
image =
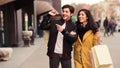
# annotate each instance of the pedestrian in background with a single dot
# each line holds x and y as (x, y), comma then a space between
(98, 23)
(88, 36)
(112, 26)
(61, 37)
(39, 31)
(32, 38)
(106, 27)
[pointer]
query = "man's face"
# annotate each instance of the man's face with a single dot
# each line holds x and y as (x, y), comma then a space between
(66, 14)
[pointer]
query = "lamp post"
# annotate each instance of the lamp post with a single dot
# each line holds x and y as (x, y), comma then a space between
(26, 22)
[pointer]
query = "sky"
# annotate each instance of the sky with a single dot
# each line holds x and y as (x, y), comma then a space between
(80, 1)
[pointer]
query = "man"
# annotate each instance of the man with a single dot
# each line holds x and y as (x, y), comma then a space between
(61, 37)
(106, 27)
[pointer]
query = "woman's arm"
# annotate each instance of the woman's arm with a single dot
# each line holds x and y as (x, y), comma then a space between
(97, 38)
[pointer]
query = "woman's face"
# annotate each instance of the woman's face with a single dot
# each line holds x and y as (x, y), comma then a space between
(82, 17)
(66, 14)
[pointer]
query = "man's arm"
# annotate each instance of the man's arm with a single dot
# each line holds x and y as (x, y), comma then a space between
(70, 36)
(45, 24)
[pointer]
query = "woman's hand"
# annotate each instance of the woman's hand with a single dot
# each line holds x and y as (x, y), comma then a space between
(99, 41)
(73, 33)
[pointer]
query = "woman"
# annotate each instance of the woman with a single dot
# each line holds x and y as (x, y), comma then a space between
(88, 36)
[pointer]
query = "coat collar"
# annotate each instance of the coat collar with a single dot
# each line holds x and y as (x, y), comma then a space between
(85, 36)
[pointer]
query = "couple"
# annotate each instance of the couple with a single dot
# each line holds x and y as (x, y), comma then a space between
(64, 33)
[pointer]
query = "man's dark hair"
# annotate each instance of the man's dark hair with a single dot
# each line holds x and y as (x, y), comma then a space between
(71, 8)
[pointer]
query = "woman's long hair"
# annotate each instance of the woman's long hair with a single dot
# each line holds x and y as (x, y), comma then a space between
(90, 21)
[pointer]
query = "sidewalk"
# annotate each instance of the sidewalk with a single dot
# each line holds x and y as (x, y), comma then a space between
(22, 56)
(38, 59)
(35, 55)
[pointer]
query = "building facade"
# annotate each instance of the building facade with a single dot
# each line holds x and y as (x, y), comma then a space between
(13, 22)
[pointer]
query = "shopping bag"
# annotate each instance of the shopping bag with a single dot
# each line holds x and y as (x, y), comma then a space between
(100, 57)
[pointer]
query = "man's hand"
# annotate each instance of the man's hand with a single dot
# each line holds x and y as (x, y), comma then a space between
(52, 12)
(59, 27)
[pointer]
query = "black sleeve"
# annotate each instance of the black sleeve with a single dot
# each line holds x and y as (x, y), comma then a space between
(68, 36)
(45, 24)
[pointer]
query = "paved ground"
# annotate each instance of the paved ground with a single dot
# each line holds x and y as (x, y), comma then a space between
(21, 55)
(38, 59)
(35, 55)
(113, 43)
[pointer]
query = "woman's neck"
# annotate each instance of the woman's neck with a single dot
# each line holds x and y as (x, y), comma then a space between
(84, 24)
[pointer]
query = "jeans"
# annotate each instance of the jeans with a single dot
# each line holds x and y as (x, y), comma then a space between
(56, 59)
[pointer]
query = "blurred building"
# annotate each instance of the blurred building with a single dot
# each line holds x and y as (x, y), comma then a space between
(12, 18)
(57, 5)
(107, 8)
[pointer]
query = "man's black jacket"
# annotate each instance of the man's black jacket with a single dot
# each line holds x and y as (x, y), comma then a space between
(49, 23)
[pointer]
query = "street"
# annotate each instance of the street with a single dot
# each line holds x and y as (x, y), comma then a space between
(113, 43)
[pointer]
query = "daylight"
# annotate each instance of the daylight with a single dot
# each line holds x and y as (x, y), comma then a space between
(80, 1)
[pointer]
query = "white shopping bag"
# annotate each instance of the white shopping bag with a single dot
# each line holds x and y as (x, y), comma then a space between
(100, 56)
